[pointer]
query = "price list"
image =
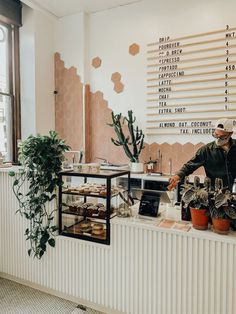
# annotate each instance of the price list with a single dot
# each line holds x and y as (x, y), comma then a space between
(191, 82)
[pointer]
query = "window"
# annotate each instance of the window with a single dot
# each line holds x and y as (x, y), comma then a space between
(10, 20)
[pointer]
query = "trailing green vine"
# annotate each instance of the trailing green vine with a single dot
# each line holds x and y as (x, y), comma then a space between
(41, 158)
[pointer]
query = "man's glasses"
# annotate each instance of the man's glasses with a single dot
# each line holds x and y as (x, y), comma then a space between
(220, 137)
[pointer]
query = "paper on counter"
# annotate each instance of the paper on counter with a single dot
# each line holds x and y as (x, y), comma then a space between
(172, 224)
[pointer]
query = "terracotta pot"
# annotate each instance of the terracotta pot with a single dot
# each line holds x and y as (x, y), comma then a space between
(199, 218)
(221, 225)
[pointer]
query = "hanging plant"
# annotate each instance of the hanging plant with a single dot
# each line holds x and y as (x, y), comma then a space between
(41, 158)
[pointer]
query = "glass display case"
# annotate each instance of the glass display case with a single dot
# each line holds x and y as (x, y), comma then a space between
(87, 202)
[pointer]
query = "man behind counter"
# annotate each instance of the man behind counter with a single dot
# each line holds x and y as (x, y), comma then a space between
(218, 157)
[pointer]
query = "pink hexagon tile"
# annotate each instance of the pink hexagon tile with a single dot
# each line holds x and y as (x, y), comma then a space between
(115, 77)
(134, 49)
(96, 62)
(118, 87)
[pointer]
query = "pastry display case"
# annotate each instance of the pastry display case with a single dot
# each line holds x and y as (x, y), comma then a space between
(87, 202)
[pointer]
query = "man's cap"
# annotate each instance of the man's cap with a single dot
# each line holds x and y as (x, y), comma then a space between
(224, 124)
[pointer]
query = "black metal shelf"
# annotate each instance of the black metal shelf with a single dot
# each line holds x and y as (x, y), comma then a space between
(104, 174)
(91, 238)
(89, 195)
(75, 231)
(67, 212)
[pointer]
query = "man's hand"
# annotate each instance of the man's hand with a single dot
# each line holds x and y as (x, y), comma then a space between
(173, 182)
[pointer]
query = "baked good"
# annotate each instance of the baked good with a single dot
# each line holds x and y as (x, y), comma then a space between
(73, 208)
(71, 189)
(81, 210)
(89, 211)
(97, 229)
(103, 192)
(80, 189)
(102, 212)
(85, 226)
(95, 210)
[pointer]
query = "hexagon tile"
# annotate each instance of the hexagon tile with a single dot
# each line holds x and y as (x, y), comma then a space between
(118, 87)
(116, 77)
(134, 49)
(96, 62)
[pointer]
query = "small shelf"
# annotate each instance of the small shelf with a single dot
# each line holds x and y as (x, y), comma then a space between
(89, 195)
(89, 232)
(69, 212)
(73, 213)
(104, 174)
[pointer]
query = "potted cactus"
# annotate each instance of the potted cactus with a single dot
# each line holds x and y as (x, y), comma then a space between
(133, 143)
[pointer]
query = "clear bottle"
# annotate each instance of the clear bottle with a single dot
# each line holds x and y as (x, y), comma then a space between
(234, 188)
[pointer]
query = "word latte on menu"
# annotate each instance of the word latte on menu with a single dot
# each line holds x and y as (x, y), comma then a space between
(192, 82)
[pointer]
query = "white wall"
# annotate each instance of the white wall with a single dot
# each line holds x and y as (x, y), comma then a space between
(108, 34)
(71, 41)
(112, 31)
(37, 72)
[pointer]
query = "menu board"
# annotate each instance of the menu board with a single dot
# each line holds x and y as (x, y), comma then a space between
(191, 82)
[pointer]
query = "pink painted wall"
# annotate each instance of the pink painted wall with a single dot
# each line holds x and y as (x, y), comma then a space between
(69, 125)
(68, 104)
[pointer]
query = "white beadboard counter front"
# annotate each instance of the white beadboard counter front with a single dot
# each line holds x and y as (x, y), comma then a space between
(145, 270)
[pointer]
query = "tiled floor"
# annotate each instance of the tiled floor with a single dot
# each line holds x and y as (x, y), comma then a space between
(19, 299)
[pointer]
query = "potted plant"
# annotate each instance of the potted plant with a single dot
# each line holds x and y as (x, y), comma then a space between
(222, 208)
(197, 199)
(132, 143)
(41, 158)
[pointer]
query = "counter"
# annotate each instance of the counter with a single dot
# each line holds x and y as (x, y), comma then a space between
(146, 269)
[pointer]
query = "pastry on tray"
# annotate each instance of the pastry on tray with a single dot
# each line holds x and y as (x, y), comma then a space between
(97, 229)
(102, 212)
(85, 226)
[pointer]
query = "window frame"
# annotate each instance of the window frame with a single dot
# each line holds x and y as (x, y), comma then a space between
(14, 86)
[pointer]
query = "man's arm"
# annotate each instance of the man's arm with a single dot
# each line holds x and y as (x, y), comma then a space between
(193, 164)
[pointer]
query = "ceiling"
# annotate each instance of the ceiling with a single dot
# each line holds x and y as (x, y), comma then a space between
(60, 8)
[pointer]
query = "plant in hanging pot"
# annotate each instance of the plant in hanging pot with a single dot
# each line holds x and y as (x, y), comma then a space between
(197, 199)
(222, 208)
(41, 158)
(132, 143)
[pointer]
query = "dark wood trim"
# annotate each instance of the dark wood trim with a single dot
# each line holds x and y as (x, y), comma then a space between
(17, 104)
(14, 88)
(11, 90)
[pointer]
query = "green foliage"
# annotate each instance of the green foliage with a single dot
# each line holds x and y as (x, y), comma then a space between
(135, 139)
(195, 196)
(41, 158)
(218, 202)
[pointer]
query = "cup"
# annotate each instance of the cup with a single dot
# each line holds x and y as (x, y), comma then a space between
(78, 167)
(85, 168)
(94, 167)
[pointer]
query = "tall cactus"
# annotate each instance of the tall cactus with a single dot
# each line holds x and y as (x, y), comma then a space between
(134, 139)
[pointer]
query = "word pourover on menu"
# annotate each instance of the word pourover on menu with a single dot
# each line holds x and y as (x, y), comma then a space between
(191, 82)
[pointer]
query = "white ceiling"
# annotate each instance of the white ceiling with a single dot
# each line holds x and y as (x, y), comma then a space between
(60, 8)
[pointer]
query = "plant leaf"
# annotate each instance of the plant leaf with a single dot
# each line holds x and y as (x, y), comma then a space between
(51, 242)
